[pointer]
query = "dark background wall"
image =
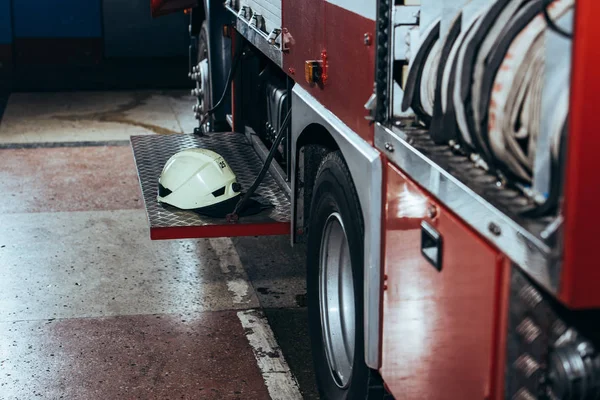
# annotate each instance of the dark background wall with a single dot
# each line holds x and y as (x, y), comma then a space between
(56, 32)
(75, 44)
(5, 39)
(129, 31)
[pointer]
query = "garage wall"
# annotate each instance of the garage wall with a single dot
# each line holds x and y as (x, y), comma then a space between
(90, 44)
(57, 19)
(5, 36)
(84, 32)
(57, 32)
(130, 31)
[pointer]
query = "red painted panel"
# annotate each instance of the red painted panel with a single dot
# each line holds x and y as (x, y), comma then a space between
(438, 327)
(580, 275)
(500, 329)
(225, 230)
(317, 25)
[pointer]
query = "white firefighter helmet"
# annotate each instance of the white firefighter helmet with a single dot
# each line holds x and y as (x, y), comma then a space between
(197, 179)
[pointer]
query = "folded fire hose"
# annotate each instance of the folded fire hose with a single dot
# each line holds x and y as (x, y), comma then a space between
(460, 104)
(418, 81)
(439, 129)
(483, 43)
(482, 85)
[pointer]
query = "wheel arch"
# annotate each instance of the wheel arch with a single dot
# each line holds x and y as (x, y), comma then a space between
(312, 145)
(313, 124)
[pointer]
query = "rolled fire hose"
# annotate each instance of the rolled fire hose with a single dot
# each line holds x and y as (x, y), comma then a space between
(486, 34)
(448, 86)
(447, 71)
(461, 104)
(499, 50)
(557, 156)
(429, 79)
(514, 109)
(438, 130)
(487, 20)
(418, 78)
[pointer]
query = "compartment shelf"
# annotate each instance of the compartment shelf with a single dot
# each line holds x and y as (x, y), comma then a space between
(151, 152)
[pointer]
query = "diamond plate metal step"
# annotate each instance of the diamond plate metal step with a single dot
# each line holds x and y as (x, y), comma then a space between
(151, 152)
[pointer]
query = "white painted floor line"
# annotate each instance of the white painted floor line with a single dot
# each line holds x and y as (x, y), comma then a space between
(231, 266)
(278, 378)
(280, 382)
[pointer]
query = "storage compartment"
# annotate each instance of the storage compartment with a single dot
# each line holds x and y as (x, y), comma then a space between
(437, 319)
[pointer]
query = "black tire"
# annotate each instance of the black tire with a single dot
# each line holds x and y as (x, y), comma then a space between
(212, 124)
(204, 101)
(334, 192)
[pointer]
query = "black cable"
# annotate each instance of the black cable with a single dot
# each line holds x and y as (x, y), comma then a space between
(552, 25)
(234, 66)
(261, 175)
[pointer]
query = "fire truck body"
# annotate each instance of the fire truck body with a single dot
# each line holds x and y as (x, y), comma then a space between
(453, 290)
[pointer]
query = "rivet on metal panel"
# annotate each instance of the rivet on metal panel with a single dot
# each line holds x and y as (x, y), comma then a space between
(385, 287)
(367, 39)
(494, 229)
(432, 211)
(389, 147)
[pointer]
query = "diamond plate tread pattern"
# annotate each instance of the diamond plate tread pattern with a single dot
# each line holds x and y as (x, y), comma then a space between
(151, 152)
(509, 201)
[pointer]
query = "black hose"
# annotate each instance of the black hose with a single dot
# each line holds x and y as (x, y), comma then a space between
(552, 25)
(261, 175)
(234, 66)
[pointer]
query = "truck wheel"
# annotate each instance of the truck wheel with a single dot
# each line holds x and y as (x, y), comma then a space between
(335, 283)
(202, 78)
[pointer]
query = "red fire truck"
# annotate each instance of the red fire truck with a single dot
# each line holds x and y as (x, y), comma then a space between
(439, 159)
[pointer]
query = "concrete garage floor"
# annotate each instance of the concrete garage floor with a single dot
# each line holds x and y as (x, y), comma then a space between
(90, 308)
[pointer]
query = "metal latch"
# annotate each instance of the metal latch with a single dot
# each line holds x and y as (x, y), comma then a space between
(431, 245)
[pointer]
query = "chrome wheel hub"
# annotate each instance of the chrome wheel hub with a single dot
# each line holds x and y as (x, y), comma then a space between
(202, 92)
(336, 300)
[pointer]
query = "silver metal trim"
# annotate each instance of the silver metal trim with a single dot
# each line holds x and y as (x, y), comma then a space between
(275, 170)
(258, 38)
(366, 168)
(523, 247)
